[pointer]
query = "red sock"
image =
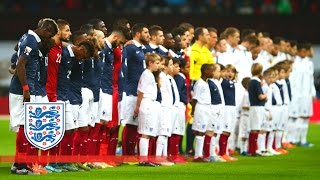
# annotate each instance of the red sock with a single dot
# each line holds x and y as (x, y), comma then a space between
(255, 142)
(66, 144)
(223, 142)
(83, 142)
(21, 144)
(206, 146)
(174, 147)
(100, 138)
(113, 141)
(250, 148)
(253, 146)
(152, 146)
(76, 143)
(94, 137)
(274, 142)
(124, 140)
(132, 139)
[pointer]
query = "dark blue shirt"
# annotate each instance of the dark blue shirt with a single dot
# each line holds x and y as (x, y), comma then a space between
(159, 96)
(65, 67)
(98, 69)
(88, 73)
(136, 65)
(254, 91)
(154, 49)
(215, 94)
(42, 70)
(107, 72)
(182, 88)
(29, 48)
(229, 92)
(74, 93)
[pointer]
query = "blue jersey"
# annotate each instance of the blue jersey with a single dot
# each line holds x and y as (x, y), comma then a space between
(154, 49)
(74, 94)
(42, 70)
(229, 92)
(88, 73)
(182, 87)
(136, 65)
(215, 94)
(29, 49)
(254, 91)
(65, 66)
(98, 69)
(107, 72)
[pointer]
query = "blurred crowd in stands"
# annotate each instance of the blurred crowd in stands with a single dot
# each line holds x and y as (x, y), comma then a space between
(219, 7)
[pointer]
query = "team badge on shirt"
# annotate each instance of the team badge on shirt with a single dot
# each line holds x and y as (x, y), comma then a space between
(44, 124)
(27, 50)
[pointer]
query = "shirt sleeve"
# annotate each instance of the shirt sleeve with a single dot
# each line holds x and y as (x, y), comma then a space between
(28, 48)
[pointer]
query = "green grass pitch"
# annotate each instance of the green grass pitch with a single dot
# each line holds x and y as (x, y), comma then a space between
(300, 163)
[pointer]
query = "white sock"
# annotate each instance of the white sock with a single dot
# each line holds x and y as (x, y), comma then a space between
(143, 148)
(299, 129)
(259, 149)
(231, 141)
(270, 140)
(262, 142)
(278, 139)
(304, 132)
(217, 141)
(160, 145)
(165, 147)
(199, 146)
(243, 146)
(213, 146)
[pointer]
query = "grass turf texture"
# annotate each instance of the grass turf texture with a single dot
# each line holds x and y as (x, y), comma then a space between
(301, 163)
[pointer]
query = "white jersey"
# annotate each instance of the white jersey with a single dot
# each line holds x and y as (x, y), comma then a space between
(201, 92)
(165, 88)
(147, 85)
(264, 58)
(175, 89)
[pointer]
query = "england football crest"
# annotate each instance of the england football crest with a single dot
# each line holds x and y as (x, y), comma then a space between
(44, 124)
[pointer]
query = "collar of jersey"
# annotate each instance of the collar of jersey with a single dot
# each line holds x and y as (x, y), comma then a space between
(35, 35)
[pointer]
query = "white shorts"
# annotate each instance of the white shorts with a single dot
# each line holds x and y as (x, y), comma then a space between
(148, 118)
(294, 108)
(70, 122)
(16, 108)
(164, 119)
(284, 117)
(95, 114)
(179, 122)
(201, 119)
(131, 102)
(105, 107)
(244, 124)
(214, 123)
(306, 109)
(257, 116)
(220, 119)
(75, 109)
(276, 113)
(230, 118)
(43, 99)
(122, 109)
(85, 117)
(267, 124)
